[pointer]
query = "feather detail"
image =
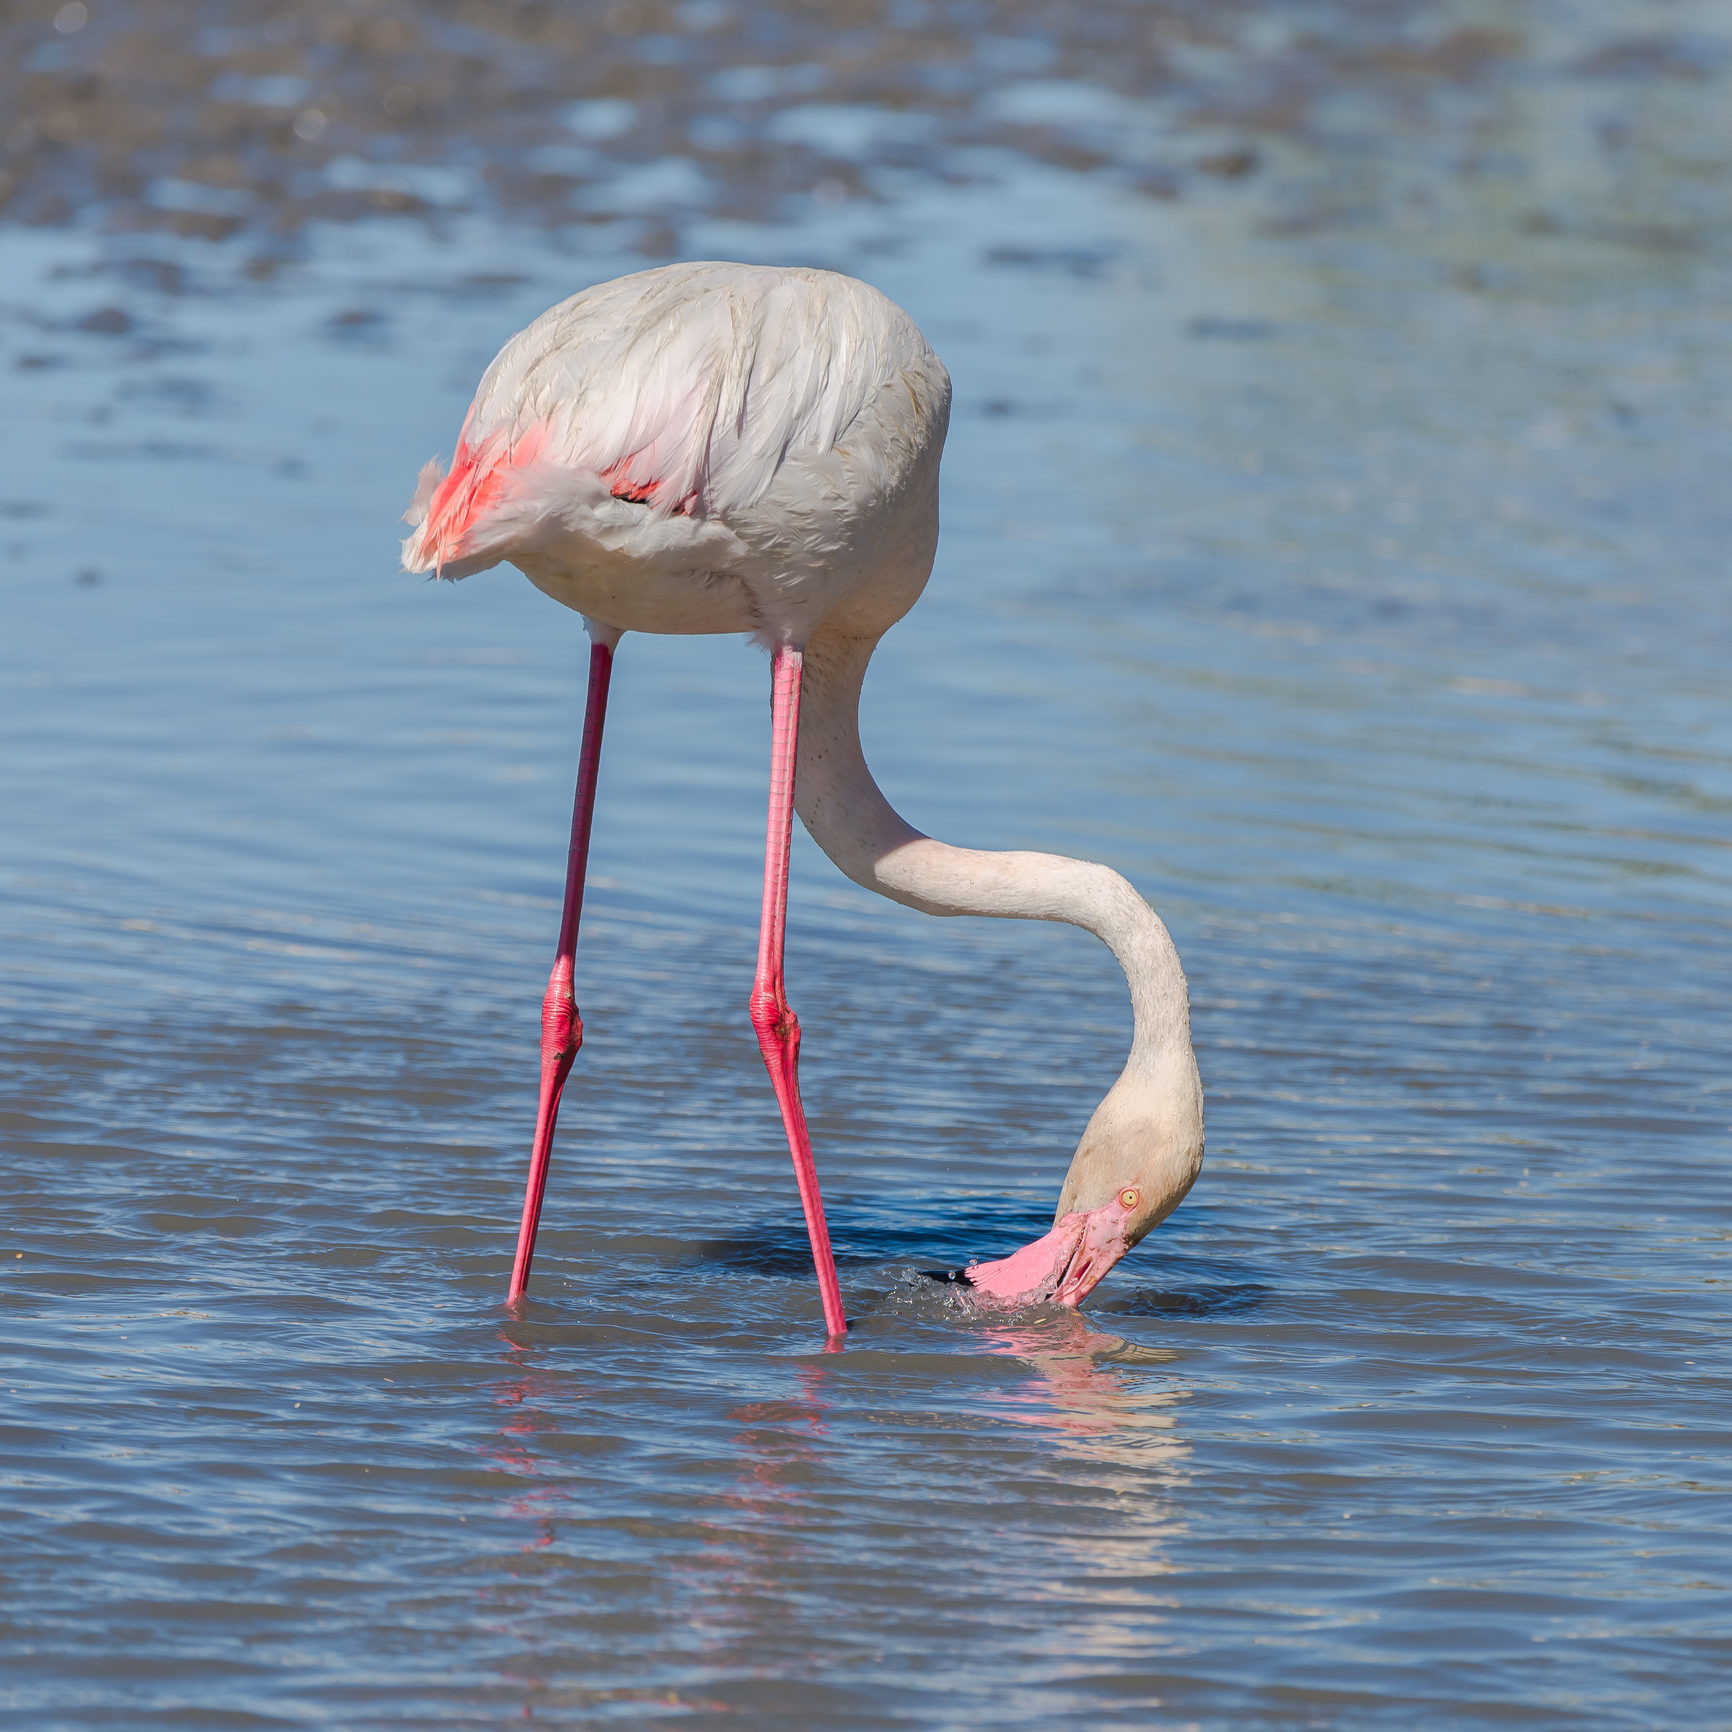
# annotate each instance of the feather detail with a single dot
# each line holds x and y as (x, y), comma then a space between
(426, 484)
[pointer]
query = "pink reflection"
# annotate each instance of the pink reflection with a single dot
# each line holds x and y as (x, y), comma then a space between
(752, 1533)
(1084, 1400)
(521, 1396)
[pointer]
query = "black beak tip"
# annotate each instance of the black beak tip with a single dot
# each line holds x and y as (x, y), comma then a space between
(960, 1275)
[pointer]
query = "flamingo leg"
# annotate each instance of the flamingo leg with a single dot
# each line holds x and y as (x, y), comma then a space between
(777, 1026)
(561, 1026)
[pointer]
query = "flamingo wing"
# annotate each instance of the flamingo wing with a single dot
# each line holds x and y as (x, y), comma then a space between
(683, 390)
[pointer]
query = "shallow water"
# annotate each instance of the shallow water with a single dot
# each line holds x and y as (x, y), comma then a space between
(1335, 542)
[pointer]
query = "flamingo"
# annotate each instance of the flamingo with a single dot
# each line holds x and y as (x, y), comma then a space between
(710, 448)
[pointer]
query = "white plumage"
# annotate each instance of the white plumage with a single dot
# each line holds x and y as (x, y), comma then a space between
(705, 447)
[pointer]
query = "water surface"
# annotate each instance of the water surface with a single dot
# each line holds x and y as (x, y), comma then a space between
(1335, 531)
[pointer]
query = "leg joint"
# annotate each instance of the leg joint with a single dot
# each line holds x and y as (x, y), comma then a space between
(772, 1016)
(561, 1026)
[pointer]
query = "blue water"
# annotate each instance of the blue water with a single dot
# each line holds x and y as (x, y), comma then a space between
(1356, 583)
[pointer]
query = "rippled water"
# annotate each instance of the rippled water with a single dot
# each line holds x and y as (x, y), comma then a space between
(1335, 541)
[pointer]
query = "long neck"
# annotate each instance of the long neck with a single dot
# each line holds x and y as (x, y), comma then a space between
(855, 825)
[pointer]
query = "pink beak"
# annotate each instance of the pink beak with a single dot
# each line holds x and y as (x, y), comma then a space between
(1064, 1266)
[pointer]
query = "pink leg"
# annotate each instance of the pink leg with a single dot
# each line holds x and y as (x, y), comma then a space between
(778, 1028)
(561, 1026)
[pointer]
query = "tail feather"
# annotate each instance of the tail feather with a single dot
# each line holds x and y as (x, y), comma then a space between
(450, 512)
(426, 485)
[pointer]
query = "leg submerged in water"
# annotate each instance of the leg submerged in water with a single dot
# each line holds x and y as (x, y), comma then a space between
(777, 1027)
(561, 1026)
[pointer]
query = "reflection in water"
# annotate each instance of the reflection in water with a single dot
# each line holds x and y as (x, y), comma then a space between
(525, 1420)
(756, 1533)
(1118, 1414)
(1115, 1435)
(537, 1403)
(1107, 1444)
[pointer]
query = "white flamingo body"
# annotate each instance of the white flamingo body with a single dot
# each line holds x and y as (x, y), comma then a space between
(702, 448)
(719, 448)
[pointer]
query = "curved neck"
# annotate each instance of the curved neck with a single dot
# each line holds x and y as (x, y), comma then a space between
(854, 824)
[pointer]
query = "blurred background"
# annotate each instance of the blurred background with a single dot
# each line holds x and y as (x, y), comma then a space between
(1589, 122)
(1336, 530)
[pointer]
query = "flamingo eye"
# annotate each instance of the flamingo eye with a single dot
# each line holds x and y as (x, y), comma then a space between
(1128, 1198)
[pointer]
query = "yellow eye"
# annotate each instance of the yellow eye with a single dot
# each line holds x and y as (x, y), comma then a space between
(1128, 1198)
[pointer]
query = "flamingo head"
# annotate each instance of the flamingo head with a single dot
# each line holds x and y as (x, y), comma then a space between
(1141, 1153)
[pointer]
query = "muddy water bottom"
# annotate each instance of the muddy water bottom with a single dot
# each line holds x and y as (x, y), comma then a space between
(1366, 609)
